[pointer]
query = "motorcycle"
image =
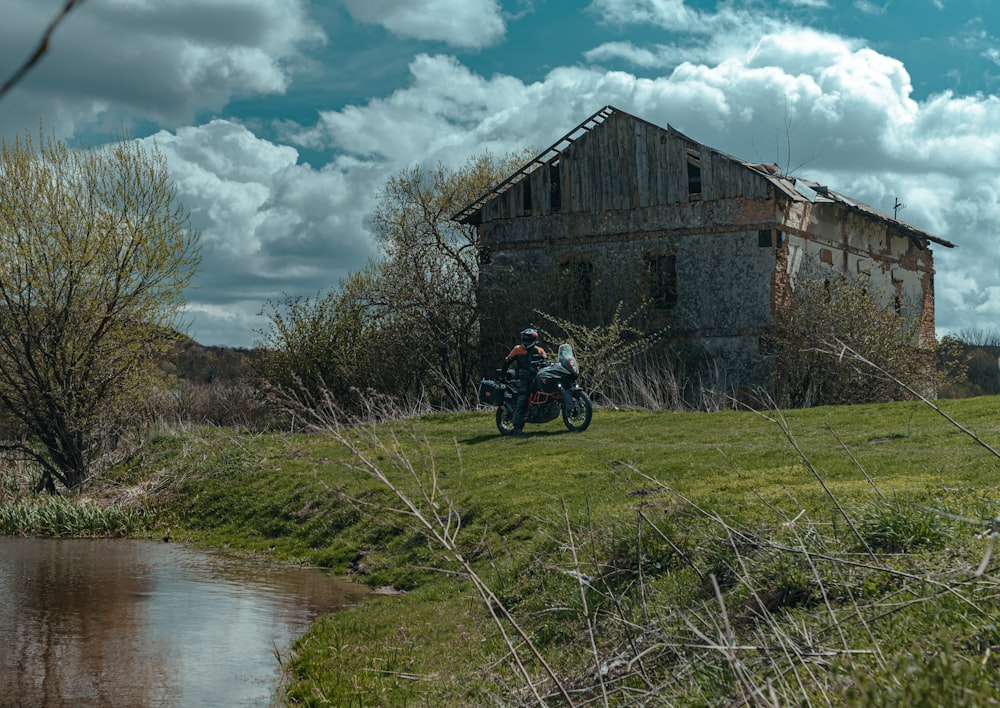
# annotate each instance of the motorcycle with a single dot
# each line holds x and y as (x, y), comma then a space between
(553, 391)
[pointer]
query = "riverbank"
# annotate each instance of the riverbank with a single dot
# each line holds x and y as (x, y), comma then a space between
(834, 554)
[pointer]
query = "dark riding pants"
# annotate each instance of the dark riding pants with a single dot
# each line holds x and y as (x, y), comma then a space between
(521, 404)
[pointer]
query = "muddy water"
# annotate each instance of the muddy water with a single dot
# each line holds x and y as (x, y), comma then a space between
(145, 623)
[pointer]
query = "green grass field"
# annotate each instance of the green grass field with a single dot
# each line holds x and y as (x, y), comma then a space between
(831, 555)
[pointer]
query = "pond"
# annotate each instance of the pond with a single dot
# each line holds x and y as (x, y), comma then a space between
(145, 623)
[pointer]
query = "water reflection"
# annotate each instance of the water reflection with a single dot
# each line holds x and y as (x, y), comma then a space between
(142, 623)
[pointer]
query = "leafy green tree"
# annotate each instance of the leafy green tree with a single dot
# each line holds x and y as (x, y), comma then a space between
(970, 357)
(831, 307)
(337, 344)
(408, 323)
(299, 348)
(95, 252)
(428, 275)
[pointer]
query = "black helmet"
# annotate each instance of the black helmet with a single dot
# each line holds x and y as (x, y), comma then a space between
(529, 337)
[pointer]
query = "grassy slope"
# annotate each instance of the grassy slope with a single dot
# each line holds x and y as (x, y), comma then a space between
(522, 500)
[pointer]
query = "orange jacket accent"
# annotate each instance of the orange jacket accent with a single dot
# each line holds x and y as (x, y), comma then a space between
(525, 360)
(521, 351)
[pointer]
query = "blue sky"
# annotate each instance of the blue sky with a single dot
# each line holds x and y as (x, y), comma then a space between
(280, 119)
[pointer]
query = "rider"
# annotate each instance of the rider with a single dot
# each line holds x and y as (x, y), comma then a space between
(526, 358)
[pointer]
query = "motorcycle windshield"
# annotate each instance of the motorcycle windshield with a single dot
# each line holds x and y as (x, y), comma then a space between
(567, 360)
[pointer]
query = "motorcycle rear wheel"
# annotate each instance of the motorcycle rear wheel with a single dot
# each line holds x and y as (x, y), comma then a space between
(505, 421)
(578, 418)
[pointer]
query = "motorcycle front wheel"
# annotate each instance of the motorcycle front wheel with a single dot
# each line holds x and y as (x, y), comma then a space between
(578, 417)
(505, 421)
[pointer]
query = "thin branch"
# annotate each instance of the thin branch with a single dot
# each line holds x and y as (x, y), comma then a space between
(439, 532)
(40, 50)
(856, 462)
(787, 431)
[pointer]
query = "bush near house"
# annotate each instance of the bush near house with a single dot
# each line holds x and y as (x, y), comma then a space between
(827, 310)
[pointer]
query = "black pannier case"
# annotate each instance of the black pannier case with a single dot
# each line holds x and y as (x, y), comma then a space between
(490, 393)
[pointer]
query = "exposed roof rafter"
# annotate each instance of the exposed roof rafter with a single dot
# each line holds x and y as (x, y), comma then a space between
(542, 158)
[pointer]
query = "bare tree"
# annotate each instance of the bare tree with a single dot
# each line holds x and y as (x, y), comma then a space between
(408, 323)
(430, 265)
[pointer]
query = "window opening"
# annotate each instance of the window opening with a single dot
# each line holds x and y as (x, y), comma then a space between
(694, 174)
(526, 194)
(555, 186)
(578, 280)
(661, 280)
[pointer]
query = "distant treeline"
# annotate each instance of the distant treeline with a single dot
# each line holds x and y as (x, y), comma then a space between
(980, 352)
(199, 364)
(223, 385)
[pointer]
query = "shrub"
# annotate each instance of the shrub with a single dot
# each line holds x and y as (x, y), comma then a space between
(829, 308)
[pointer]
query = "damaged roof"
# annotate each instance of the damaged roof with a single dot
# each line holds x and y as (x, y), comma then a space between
(800, 189)
(794, 188)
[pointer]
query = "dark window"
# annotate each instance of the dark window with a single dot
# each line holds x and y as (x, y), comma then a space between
(694, 174)
(659, 286)
(526, 194)
(578, 285)
(661, 280)
(778, 239)
(764, 238)
(555, 187)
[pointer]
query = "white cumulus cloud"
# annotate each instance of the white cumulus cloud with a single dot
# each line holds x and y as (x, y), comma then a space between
(743, 80)
(268, 224)
(155, 61)
(461, 23)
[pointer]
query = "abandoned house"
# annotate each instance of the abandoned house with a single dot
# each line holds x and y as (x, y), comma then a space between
(622, 210)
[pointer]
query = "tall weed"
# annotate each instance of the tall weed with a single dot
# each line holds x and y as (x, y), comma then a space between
(655, 382)
(60, 516)
(24, 513)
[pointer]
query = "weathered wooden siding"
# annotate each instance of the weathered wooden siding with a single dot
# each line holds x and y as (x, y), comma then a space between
(626, 164)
